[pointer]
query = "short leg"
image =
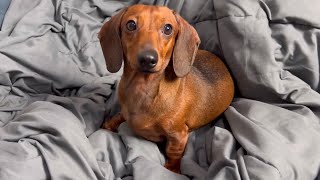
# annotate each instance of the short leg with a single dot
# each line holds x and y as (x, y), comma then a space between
(176, 143)
(113, 123)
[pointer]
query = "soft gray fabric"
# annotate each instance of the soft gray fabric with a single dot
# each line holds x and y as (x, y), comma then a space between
(4, 5)
(55, 91)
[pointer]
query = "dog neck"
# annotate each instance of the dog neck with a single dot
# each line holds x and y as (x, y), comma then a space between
(143, 89)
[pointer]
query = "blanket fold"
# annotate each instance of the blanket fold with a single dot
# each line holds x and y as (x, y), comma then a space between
(55, 92)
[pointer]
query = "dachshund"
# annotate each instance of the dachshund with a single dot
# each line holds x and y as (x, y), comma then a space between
(168, 87)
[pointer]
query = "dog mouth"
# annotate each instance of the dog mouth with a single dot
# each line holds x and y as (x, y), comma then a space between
(148, 71)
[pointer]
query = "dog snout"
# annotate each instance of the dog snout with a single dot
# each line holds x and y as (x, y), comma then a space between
(147, 60)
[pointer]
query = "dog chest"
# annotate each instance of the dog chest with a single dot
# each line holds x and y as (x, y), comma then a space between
(146, 127)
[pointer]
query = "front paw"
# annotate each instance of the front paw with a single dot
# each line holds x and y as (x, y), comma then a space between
(108, 125)
(174, 167)
(113, 123)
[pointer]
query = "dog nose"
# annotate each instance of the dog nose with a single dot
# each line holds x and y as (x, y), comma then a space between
(147, 60)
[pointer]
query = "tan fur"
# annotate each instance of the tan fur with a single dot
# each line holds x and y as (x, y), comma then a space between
(187, 89)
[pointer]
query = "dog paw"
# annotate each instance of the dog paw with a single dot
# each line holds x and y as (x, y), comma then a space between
(112, 123)
(173, 167)
(108, 125)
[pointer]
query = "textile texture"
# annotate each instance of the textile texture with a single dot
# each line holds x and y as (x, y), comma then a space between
(55, 92)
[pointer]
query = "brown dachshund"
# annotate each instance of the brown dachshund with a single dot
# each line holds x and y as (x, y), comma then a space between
(168, 87)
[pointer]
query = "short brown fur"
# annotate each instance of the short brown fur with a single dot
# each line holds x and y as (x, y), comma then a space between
(187, 89)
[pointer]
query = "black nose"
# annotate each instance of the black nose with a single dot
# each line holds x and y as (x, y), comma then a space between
(147, 60)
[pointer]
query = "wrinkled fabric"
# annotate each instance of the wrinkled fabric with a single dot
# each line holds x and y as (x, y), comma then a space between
(4, 5)
(55, 92)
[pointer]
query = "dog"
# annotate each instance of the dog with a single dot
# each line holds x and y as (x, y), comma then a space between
(168, 87)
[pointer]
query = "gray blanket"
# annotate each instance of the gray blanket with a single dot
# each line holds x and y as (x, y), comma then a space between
(55, 91)
(4, 4)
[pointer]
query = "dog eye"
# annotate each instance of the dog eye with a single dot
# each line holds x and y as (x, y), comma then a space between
(131, 25)
(167, 29)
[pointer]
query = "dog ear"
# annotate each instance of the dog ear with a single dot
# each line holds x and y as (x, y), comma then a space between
(110, 41)
(186, 47)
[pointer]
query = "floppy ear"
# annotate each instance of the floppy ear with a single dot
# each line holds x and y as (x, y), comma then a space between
(186, 47)
(110, 41)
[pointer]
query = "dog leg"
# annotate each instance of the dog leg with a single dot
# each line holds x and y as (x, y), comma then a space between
(176, 143)
(113, 123)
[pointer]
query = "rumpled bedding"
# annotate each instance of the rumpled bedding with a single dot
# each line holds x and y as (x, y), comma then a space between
(55, 92)
(4, 4)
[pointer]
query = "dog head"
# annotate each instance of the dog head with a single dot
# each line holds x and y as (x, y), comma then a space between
(147, 38)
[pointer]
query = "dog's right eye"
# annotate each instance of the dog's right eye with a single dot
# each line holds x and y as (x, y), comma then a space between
(131, 25)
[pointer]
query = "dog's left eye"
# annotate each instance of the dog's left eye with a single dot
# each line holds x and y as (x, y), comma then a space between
(167, 29)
